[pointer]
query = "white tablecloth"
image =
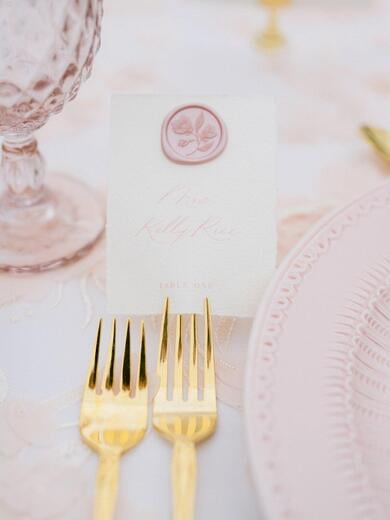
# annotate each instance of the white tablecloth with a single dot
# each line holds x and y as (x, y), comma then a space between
(333, 76)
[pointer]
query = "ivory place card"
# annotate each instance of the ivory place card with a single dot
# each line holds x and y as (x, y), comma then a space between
(191, 209)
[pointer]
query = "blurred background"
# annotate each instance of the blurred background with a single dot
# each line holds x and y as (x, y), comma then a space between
(331, 75)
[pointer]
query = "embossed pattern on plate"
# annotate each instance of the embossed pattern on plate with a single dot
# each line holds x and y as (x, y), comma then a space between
(318, 386)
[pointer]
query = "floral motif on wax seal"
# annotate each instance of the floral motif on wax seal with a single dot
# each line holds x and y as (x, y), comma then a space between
(193, 134)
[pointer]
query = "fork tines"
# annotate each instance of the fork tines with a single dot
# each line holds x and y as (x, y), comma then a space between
(193, 359)
(107, 383)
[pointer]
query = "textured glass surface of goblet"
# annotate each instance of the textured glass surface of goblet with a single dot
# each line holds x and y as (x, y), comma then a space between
(46, 51)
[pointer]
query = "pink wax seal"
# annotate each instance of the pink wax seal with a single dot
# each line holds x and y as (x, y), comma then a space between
(193, 134)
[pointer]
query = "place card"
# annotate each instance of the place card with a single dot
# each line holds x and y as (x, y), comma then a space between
(191, 209)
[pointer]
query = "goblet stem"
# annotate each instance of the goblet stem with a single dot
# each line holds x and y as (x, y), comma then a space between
(271, 37)
(23, 169)
(42, 226)
(273, 27)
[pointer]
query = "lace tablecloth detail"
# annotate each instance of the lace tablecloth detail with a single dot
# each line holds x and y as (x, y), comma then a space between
(34, 458)
(38, 452)
(21, 294)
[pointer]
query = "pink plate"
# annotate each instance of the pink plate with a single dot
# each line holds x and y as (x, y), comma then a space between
(318, 376)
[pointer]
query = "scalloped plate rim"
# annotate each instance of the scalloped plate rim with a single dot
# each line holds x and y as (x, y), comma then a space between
(264, 500)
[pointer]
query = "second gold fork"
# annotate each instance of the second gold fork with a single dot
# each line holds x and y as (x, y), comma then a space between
(185, 420)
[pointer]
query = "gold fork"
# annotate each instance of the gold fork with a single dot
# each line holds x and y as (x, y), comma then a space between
(112, 423)
(379, 140)
(185, 421)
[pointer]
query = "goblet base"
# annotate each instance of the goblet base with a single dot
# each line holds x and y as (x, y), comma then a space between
(60, 227)
(270, 41)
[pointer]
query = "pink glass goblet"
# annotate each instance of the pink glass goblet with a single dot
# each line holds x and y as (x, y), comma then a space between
(46, 51)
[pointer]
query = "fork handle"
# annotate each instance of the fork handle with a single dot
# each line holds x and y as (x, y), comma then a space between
(183, 479)
(106, 486)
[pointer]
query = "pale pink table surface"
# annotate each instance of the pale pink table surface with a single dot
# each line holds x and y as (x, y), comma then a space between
(333, 76)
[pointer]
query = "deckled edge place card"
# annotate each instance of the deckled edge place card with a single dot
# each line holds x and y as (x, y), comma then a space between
(191, 209)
